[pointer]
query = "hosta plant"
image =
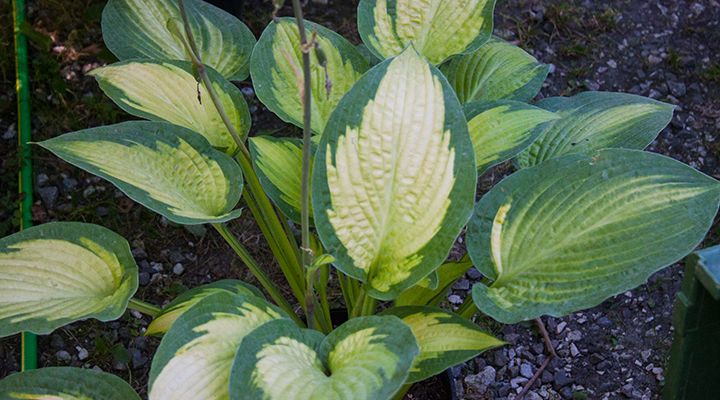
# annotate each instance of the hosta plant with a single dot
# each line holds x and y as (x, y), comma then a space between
(381, 184)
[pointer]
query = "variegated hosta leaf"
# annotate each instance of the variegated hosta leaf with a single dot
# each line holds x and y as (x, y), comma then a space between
(369, 56)
(430, 282)
(154, 29)
(278, 163)
(445, 339)
(394, 177)
(447, 274)
(163, 321)
(167, 91)
(276, 68)
(60, 272)
(597, 120)
(571, 232)
(437, 28)
(366, 358)
(497, 70)
(167, 168)
(195, 356)
(500, 130)
(65, 383)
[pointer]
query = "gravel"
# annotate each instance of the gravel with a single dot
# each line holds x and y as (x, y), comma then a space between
(662, 49)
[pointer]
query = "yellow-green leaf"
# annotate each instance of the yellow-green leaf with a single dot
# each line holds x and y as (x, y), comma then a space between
(592, 121)
(445, 339)
(278, 163)
(169, 169)
(276, 68)
(153, 29)
(366, 358)
(167, 91)
(500, 130)
(497, 70)
(570, 232)
(163, 321)
(394, 176)
(195, 357)
(438, 29)
(61, 272)
(65, 383)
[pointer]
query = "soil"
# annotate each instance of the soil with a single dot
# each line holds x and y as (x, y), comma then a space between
(665, 49)
(436, 388)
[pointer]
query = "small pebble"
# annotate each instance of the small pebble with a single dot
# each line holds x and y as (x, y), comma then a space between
(69, 183)
(517, 382)
(574, 336)
(474, 274)
(144, 278)
(41, 180)
(82, 353)
(526, 370)
(10, 133)
(561, 327)
(63, 355)
(49, 195)
(455, 299)
(561, 379)
(178, 269)
(462, 284)
(574, 350)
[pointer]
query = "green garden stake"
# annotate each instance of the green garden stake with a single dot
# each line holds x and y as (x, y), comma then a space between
(695, 357)
(29, 341)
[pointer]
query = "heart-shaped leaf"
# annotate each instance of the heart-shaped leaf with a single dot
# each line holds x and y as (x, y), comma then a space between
(597, 120)
(278, 163)
(437, 29)
(60, 272)
(571, 232)
(497, 70)
(447, 274)
(502, 129)
(445, 339)
(167, 91)
(396, 147)
(195, 356)
(163, 321)
(168, 169)
(276, 68)
(366, 358)
(153, 29)
(65, 383)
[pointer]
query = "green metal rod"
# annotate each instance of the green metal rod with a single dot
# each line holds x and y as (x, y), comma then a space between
(29, 341)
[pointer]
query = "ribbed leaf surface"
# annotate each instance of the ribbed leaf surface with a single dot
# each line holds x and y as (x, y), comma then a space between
(163, 321)
(276, 68)
(497, 70)
(153, 29)
(502, 129)
(571, 232)
(597, 120)
(168, 169)
(168, 91)
(437, 29)
(366, 358)
(278, 163)
(195, 356)
(445, 339)
(60, 272)
(394, 176)
(65, 383)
